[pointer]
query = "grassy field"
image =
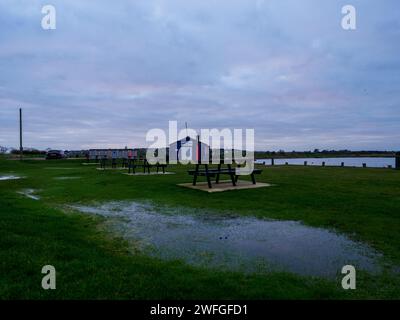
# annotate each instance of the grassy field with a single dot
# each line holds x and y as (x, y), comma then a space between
(92, 263)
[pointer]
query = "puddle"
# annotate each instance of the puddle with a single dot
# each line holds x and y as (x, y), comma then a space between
(29, 193)
(9, 177)
(66, 178)
(235, 243)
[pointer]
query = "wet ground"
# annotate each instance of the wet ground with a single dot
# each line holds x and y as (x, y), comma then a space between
(235, 242)
(66, 178)
(59, 168)
(9, 177)
(29, 193)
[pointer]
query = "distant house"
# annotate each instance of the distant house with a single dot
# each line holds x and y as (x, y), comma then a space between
(189, 150)
(112, 153)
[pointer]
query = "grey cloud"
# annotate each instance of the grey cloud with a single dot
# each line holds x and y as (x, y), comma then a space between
(113, 70)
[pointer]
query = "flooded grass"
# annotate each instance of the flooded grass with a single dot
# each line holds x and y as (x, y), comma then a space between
(238, 243)
(361, 204)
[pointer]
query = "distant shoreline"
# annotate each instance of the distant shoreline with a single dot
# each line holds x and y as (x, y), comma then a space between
(258, 155)
(262, 155)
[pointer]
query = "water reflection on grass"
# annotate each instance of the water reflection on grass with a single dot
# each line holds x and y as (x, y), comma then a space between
(234, 242)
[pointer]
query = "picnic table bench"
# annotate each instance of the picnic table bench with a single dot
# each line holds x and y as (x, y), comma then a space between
(216, 172)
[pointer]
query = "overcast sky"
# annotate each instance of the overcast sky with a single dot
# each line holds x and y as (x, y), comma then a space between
(112, 70)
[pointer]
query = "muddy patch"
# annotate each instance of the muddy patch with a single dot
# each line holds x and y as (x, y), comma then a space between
(234, 242)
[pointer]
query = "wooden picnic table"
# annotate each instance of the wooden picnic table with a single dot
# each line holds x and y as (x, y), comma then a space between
(103, 162)
(217, 172)
(134, 163)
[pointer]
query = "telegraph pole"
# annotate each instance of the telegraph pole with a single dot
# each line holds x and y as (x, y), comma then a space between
(20, 134)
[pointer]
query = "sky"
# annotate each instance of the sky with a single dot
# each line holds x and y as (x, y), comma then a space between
(112, 70)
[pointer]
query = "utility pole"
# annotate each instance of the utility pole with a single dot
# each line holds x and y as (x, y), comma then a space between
(20, 134)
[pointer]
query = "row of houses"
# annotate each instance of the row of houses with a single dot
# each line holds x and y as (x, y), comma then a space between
(187, 149)
(113, 153)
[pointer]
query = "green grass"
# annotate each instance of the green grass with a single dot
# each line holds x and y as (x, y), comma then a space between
(91, 263)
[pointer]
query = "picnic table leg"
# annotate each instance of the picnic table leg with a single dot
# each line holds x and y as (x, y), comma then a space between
(253, 179)
(163, 169)
(231, 175)
(103, 163)
(133, 166)
(236, 175)
(196, 171)
(219, 169)
(208, 177)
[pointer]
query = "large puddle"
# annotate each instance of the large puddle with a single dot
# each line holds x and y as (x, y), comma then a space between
(232, 242)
